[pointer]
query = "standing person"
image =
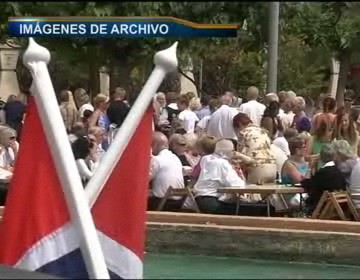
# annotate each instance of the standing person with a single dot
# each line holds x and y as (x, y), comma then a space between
(78, 95)
(120, 94)
(202, 125)
(271, 120)
(327, 114)
(299, 110)
(345, 129)
(186, 115)
(68, 111)
(85, 105)
(219, 124)
(287, 115)
(163, 112)
(117, 112)
(99, 117)
(172, 107)
(204, 111)
(84, 150)
(255, 143)
(14, 113)
(117, 109)
(323, 135)
(253, 109)
(348, 100)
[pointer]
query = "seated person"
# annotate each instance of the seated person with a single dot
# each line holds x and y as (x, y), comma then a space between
(217, 172)
(9, 148)
(84, 152)
(282, 141)
(166, 171)
(191, 153)
(178, 146)
(345, 159)
(205, 146)
(295, 169)
(77, 130)
(328, 178)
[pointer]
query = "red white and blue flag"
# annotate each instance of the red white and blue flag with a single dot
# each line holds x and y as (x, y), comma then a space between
(36, 232)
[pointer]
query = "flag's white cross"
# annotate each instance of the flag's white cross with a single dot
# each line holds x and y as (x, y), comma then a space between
(36, 59)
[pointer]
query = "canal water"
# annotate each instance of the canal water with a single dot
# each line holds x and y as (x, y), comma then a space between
(167, 266)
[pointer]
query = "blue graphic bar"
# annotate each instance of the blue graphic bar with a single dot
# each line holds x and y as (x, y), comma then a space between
(116, 27)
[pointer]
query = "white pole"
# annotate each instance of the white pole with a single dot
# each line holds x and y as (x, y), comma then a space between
(165, 62)
(36, 59)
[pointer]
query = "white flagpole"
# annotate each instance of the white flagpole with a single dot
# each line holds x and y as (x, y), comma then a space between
(36, 59)
(165, 62)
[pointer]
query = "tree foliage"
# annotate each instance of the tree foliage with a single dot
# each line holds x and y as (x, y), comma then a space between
(310, 33)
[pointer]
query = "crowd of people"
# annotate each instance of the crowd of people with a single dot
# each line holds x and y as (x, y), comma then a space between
(215, 142)
(220, 142)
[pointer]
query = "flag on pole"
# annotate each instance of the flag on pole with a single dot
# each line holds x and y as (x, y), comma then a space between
(36, 233)
(120, 210)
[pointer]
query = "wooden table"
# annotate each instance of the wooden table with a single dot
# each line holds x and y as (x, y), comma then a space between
(265, 190)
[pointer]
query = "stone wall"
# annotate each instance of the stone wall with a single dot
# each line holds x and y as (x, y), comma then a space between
(246, 242)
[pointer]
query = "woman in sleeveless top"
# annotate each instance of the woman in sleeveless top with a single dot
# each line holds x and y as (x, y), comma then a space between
(323, 135)
(345, 129)
(327, 114)
(99, 117)
(295, 169)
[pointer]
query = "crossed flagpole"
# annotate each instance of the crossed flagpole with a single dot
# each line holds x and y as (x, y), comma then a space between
(36, 59)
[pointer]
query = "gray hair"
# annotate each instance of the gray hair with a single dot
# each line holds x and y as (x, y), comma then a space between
(290, 94)
(300, 101)
(327, 153)
(160, 94)
(224, 148)
(6, 133)
(343, 148)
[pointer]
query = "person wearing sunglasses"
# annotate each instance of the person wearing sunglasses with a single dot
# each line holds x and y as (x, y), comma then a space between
(9, 147)
(295, 169)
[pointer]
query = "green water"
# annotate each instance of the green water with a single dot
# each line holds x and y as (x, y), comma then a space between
(163, 266)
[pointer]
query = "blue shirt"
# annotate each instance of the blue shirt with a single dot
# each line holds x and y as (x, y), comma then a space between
(203, 112)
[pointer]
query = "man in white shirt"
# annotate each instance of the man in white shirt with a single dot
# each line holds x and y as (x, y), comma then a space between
(163, 113)
(253, 109)
(216, 172)
(188, 117)
(166, 171)
(220, 123)
(287, 116)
